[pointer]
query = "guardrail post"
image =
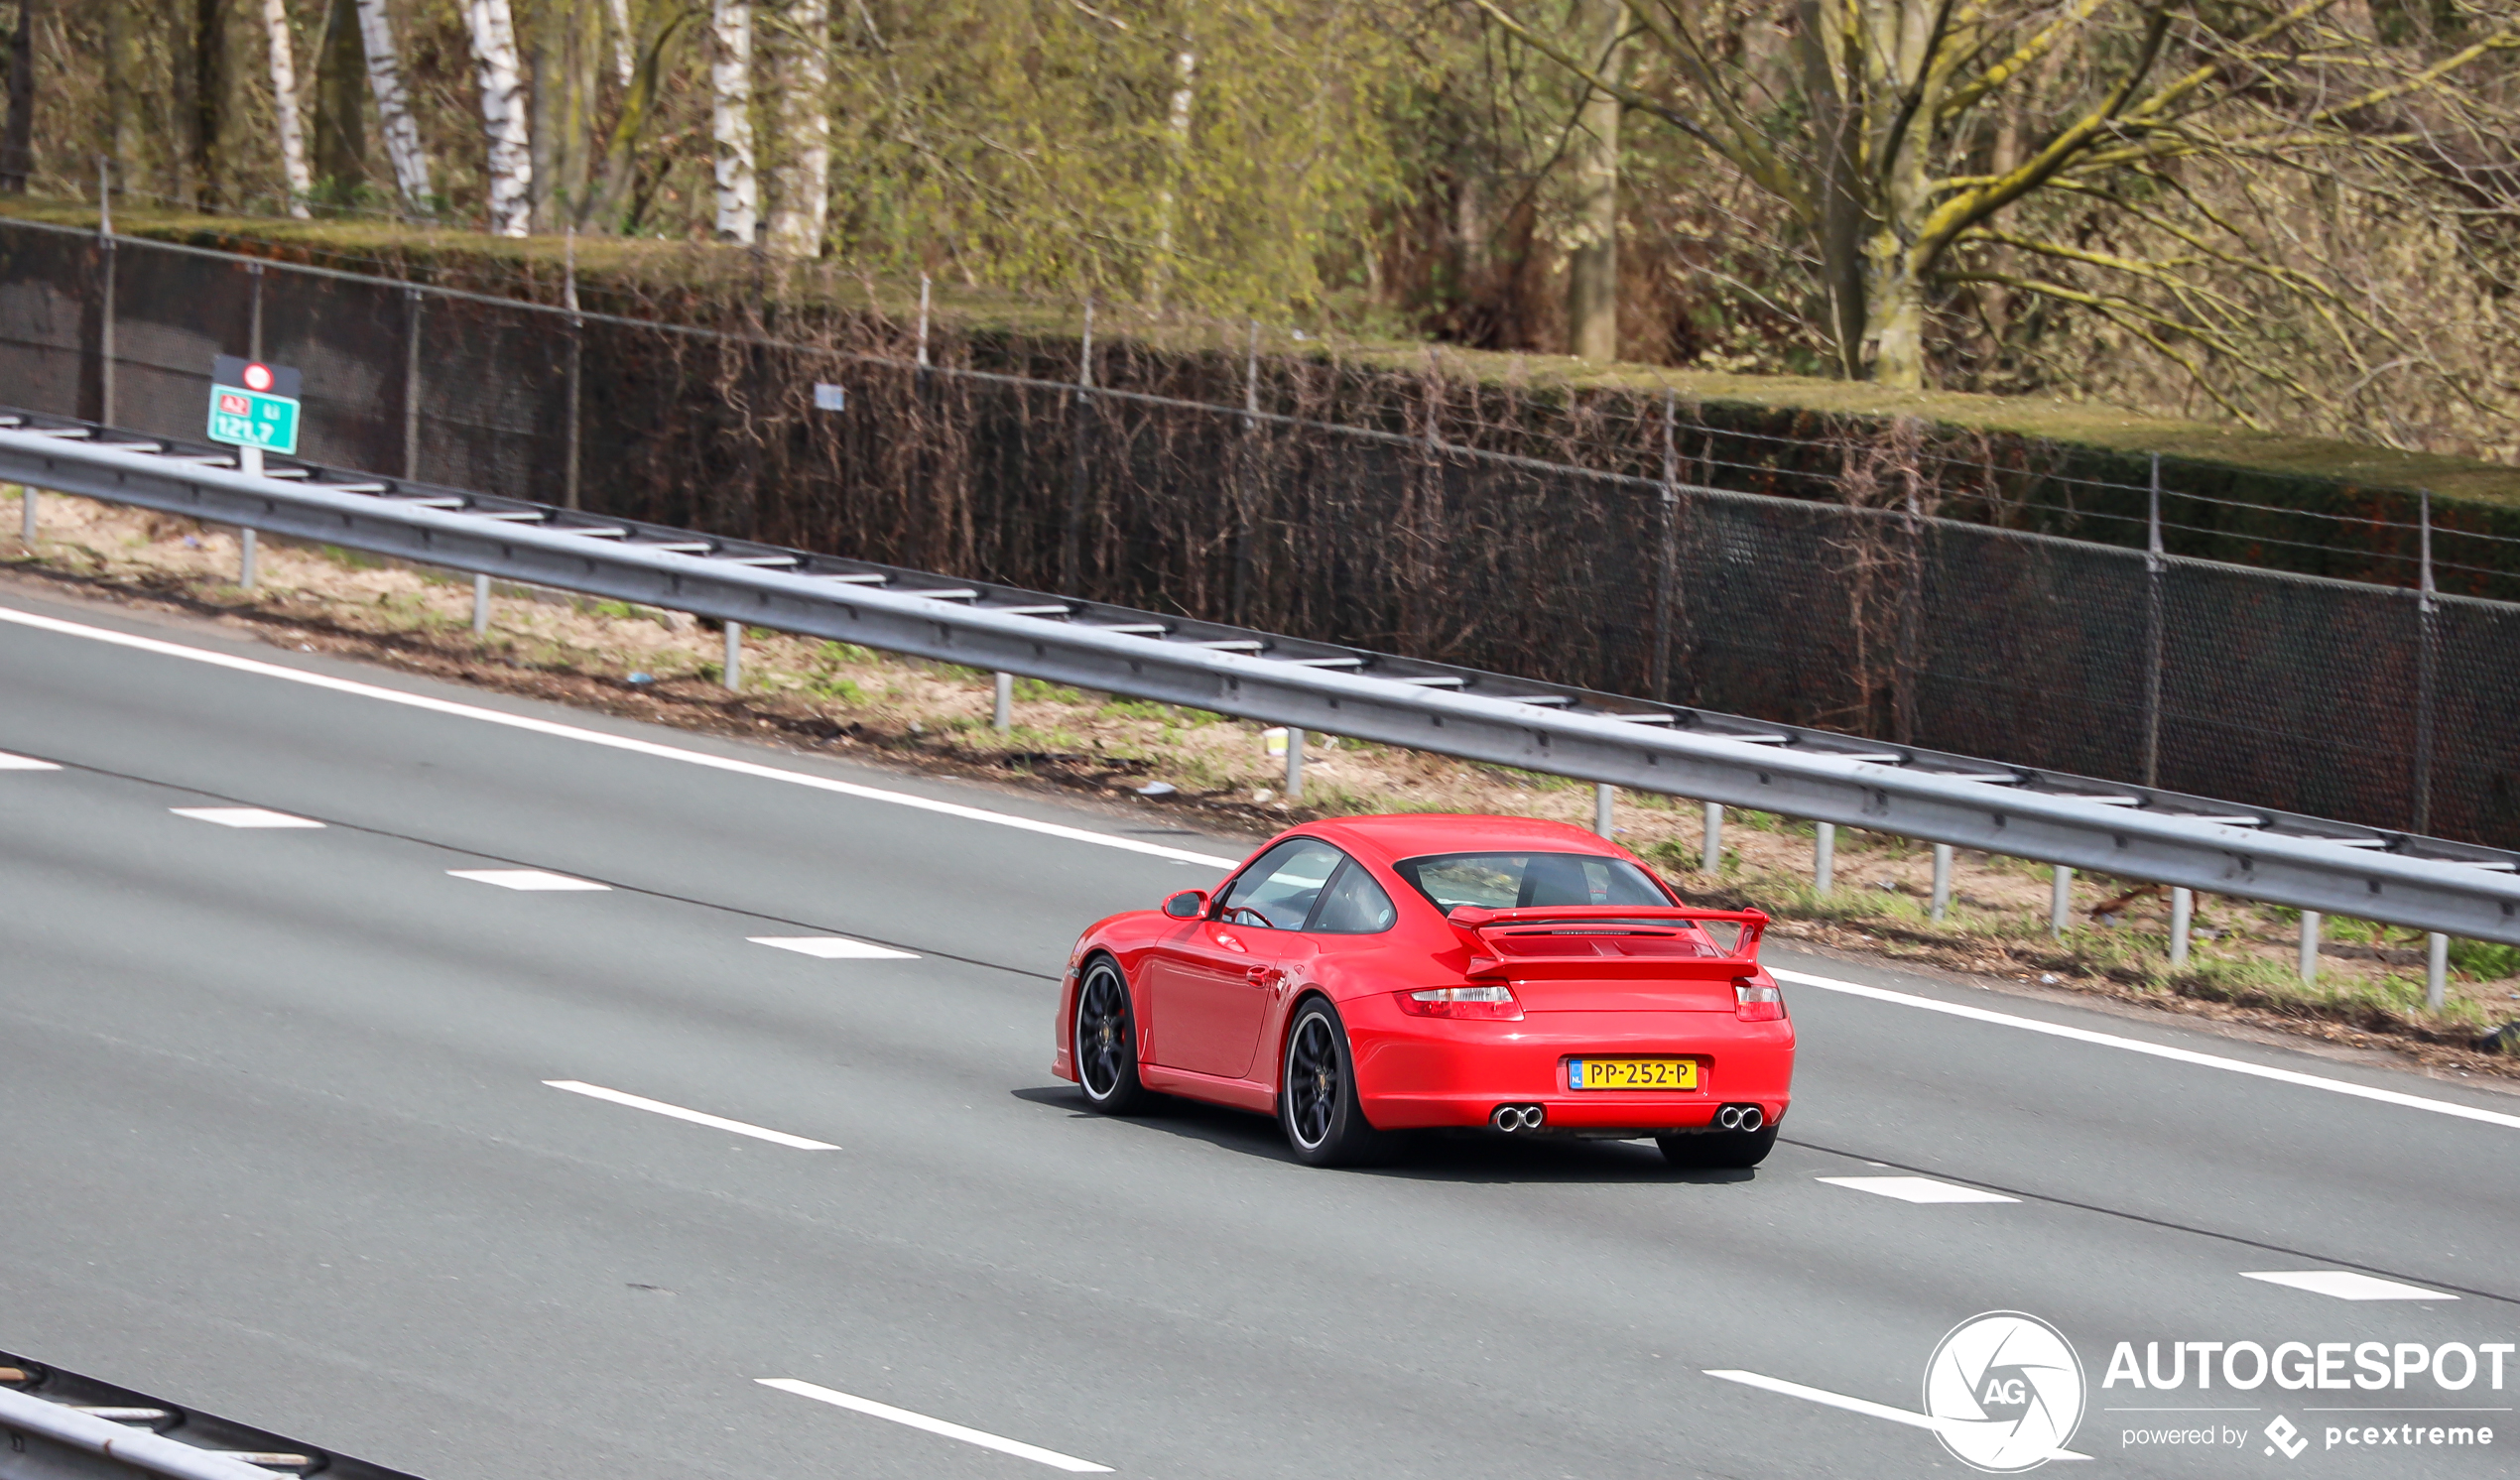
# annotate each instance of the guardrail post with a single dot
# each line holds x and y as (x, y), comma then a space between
(480, 605)
(2436, 969)
(1604, 800)
(26, 516)
(1824, 857)
(2310, 945)
(1712, 861)
(1294, 762)
(1941, 881)
(734, 671)
(1002, 707)
(2059, 900)
(2182, 918)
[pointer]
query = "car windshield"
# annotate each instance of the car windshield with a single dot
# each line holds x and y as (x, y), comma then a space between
(1519, 881)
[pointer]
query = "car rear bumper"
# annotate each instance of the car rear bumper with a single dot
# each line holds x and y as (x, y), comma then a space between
(1423, 1072)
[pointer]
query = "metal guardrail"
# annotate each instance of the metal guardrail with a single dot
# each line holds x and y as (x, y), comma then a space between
(61, 1424)
(2139, 832)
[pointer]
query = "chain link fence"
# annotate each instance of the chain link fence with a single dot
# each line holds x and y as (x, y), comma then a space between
(1130, 479)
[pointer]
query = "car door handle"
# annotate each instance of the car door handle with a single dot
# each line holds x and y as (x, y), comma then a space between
(1260, 976)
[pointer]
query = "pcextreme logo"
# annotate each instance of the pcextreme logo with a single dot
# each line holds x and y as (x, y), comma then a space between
(2005, 1391)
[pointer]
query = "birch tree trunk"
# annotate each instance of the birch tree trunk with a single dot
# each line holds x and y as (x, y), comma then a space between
(1168, 201)
(730, 123)
(801, 181)
(284, 102)
(1592, 264)
(625, 42)
(511, 163)
(393, 105)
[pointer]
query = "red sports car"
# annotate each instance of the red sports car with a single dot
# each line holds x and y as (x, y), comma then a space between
(1371, 975)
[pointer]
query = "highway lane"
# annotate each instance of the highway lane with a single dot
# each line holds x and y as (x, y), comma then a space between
(279, 1101)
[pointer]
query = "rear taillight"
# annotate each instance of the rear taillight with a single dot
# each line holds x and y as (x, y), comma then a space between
(1462, 1002)
(1754, 1001)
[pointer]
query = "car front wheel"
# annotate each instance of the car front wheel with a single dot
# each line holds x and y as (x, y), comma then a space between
(1316, 1094)
(1107, 1042)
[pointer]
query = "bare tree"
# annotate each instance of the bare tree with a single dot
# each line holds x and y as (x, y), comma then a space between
(503, 117)
(801, 195)
(17, 143)
(730, 119)
(393, 105)
(1873, 123)
(1592, 267)
(284, 102)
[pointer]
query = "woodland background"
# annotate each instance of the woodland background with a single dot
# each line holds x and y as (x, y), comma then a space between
(2297, 218)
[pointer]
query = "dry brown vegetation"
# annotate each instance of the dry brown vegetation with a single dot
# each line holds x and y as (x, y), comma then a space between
(826, 696)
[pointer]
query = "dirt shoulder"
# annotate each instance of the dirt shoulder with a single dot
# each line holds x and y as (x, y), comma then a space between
(664, 668)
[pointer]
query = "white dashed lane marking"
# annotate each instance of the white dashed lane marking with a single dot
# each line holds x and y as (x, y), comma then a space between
(9, 762)
(1827, 1399)
(1917, 1190)
(872, 1409)
(242, 816)
(834, 947)
(527, 879)
(2346, 1285)
(695, 1117)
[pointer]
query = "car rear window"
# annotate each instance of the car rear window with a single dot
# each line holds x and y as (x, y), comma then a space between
(1519, 881)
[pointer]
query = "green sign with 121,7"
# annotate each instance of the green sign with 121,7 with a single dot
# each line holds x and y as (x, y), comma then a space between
(250, 418)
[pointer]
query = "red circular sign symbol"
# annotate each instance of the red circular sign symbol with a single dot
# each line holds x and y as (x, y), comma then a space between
(258, 377)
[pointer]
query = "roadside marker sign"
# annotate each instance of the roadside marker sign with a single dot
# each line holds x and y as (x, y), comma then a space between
(254, 405)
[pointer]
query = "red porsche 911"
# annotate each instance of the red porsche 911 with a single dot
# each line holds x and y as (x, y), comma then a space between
(1366, 976)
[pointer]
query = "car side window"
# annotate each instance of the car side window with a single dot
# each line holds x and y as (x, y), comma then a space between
(1280, 890)
(1353, 904)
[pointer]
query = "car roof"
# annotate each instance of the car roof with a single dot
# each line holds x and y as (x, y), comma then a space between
(1389, 838)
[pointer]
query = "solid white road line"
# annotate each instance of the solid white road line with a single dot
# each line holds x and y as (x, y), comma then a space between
(9, 762)
(2346, 1285)
(528, 879)
(597, 737)
(242, 816)
(2156, 1051)
(717, 1122)
(1863, 1406)
(834, 947)
(872, 1409)
(1917, 1190)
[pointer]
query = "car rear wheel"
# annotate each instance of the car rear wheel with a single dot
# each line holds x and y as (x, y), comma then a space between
(1316, 1094)
(1718, 1148)
(1107, 1042)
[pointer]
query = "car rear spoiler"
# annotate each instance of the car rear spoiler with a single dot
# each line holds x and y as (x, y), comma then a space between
(1486, 928)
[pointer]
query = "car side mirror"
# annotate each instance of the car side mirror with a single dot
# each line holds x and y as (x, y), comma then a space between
(1190, 903)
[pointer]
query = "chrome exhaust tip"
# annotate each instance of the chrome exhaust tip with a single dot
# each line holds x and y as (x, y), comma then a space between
(1512, 1118)
(1752, 1117)
(1729, 1117)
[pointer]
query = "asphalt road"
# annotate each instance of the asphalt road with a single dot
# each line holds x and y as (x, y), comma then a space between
(280, 1143)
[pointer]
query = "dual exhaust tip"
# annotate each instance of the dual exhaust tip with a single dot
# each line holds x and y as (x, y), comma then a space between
(1740, 1118)
(1513, 1118)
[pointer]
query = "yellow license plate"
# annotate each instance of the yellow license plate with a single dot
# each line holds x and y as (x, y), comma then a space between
(1631, 1073)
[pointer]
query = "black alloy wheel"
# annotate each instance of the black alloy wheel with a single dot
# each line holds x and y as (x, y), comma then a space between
(1316, 1094)
(1106, 1041)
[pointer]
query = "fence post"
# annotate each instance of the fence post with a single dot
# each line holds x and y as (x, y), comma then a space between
(2182, 918)
(1605, 802)
(105, 316)
(249, 461)
(2153, 573)
(1294, 762)
(2436, 969)
(2059, 900)
(577, 356)
(1824, 858)
(2427, 641)
(1002, 704)
(1246, 470)
(1071, 539)
(1713, 858)
(1942, 882)
(410, 383)
(734, 668)
(922, 321)
(2310, 945)
(1666, 574)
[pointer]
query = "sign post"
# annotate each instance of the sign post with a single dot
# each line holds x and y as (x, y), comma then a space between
(253, 409)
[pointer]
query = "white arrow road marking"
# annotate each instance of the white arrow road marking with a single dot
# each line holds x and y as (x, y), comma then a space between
(1863, 1406)
(2346, 1285)
(526, 878)
(2156, 1051)
(872, 1409)
(242, 816)
(1917, 1190)
(834, 947)
(695, 1117)
(597, 737)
